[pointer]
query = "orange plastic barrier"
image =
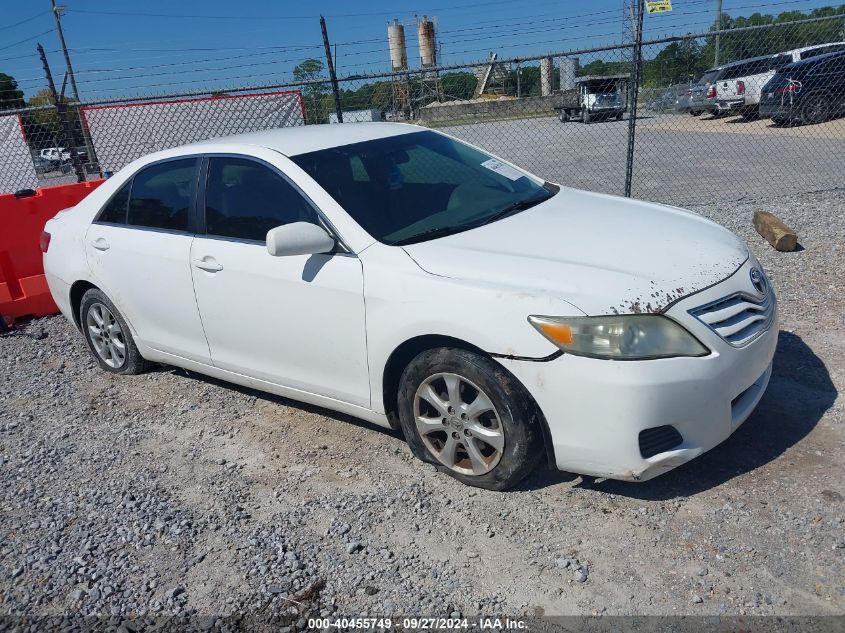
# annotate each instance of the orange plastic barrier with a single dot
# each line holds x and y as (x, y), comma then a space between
(23, 288)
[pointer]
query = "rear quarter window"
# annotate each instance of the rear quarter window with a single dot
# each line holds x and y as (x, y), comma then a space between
(115, 210)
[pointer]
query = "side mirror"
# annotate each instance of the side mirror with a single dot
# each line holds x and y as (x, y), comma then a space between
(299, 238)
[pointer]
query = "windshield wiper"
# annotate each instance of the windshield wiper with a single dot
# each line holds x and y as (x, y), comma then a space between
(443, 231)
(431, 234)
(522, 205)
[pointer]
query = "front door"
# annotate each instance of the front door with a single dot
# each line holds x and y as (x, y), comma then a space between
(294, 321)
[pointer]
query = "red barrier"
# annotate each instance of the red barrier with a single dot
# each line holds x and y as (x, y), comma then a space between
(23, 288)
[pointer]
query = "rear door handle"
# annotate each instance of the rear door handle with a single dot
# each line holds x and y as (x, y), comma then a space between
(208, 264)
(100, 244)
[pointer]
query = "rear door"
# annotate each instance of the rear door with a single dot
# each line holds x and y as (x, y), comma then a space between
(138, 249)
(295, 321)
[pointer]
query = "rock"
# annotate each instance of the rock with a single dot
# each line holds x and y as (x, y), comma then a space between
(581, 575)
(697, 599)
(370, 590)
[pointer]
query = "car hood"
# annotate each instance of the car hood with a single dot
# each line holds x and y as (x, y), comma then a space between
(602, 254)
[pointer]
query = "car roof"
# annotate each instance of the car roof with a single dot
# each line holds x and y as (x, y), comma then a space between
(742, 61)
(302, 139)
(804, 49)
(806, 63)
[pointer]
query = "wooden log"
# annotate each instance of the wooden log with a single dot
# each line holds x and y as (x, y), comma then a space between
(775, 231)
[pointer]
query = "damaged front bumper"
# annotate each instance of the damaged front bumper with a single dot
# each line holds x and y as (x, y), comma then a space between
(634, 420)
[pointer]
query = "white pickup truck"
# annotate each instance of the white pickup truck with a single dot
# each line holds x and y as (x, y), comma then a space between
(54, 155)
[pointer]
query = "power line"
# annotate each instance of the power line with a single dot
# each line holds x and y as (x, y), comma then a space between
(11, 26)
(29, 39)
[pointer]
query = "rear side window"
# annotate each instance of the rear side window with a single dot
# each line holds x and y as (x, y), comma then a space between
(245, 199)
(115, 211)
(162, 194)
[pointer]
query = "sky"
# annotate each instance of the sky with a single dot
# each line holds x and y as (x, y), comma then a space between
(122, 48)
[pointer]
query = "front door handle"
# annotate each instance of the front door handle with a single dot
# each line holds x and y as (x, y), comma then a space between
(100, 244)
(208, 264)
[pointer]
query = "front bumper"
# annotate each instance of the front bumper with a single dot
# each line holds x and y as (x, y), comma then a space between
(596, 409)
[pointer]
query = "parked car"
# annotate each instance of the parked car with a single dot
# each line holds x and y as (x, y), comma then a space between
(747, 77)
(810, 91)
(698, 96)
(399, 275)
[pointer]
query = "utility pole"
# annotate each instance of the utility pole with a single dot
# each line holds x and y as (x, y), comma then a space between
(61, 111)
(636, 72)
(57, 13)
(332, 75)
(718, 28)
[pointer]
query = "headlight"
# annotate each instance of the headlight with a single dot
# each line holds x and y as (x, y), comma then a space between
(623, 337)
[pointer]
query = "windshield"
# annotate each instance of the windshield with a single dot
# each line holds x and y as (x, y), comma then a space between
(414, 187)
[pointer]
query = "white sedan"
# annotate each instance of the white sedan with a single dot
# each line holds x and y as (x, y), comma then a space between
(399, 275)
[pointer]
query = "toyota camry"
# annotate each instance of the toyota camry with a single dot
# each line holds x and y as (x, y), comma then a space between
(402, 276)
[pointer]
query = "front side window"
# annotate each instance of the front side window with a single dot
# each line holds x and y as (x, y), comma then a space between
(162, 194)
(421, 185)
(115, 211)
(245, 199)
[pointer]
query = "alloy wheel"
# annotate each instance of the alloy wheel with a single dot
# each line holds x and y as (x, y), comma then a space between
(459, 424)
(816, 111)
(106, 335)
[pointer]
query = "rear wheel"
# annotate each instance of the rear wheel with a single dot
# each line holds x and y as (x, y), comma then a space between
(466, 415)
(816, 109)
(563, 115)
(108, 335)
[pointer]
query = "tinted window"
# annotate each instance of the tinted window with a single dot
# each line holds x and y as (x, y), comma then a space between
(246, 199)
(162, 194)
(115, 210)
(417, 186)
(822, 51)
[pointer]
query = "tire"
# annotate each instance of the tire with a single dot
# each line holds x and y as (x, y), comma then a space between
(494, 445)
(695, 112)
(108, 335)
(620, 116)
(586, 116)
(563, 115)
(816, 108)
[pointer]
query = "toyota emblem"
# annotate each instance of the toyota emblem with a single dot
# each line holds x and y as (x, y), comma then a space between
(758, 280)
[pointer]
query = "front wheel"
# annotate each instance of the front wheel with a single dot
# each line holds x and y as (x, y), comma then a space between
(108, 335)
(563, 115)
(466, 415)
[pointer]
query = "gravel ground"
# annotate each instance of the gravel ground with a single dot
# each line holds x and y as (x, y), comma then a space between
(173, 494)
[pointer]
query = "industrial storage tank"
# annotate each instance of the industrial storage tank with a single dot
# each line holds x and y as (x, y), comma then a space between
(428, 42)
(396, 43)
(568, 72)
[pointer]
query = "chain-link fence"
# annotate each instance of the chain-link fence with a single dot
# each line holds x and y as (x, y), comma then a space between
(745, 112)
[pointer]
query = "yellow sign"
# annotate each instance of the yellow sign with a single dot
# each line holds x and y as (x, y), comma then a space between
(658, 6)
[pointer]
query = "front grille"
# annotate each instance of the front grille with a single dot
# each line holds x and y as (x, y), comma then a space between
(658, 440)
(738, 319)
